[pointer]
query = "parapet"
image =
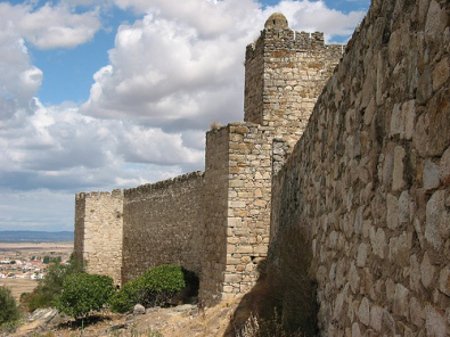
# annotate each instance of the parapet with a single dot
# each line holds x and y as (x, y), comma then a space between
(165, 183)
(277, 35)
(114, 193)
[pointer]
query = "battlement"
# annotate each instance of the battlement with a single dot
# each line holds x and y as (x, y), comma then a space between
(164, 183)
(117, 193)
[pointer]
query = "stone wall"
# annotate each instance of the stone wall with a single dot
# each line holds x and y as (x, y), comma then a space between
(98, 232)
(219, 225)
(216, 215)
(249, 181)
(368, 184)
(163, 224)
(285, 71)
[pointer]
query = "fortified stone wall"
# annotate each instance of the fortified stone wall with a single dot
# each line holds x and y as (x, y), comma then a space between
(219, 224)
(285, 72)
(163, 224)
(216, 214)
(98, 232)
(369, 182)
(249, 182)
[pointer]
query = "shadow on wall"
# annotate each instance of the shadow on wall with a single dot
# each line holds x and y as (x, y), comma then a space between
(283, 303)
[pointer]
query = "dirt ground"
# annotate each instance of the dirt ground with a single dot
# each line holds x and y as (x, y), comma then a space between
(19, 286)
(181, 321)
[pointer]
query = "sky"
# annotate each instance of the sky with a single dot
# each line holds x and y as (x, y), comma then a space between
(103, 94)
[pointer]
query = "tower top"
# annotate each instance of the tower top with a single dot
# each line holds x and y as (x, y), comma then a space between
(276, 21)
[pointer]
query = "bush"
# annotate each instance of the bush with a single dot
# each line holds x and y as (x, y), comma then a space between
(50, 287)
(83, 293)
(8, 307)
(157, 286)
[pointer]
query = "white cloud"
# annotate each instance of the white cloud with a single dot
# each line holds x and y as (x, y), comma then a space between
(50, 26)
(45, 27)
(171, 74)
(58, 148)
(181, 66)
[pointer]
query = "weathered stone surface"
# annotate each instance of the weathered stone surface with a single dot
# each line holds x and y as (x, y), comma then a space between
(416, 312)
(401, 304)
(444, 168)
(392, 215)
(427, 271)
(364, 311)
(441, 73)
(376, 317)
(444, 281)
(362, 255)
(434, 216)
(436, 325)
(398, 179)
(430, 175)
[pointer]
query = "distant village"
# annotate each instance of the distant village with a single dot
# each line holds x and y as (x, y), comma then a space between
(31, 268)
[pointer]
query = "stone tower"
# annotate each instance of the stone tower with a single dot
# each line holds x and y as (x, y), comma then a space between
(285, 72)
(216, 224)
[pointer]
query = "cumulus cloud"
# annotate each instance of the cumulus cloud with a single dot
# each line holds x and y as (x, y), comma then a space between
(50, 26)
(181, 66)
(171, 73)
(45, 27)
(58, 148)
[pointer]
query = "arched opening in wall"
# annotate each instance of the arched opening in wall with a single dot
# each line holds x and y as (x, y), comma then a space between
(190, 292)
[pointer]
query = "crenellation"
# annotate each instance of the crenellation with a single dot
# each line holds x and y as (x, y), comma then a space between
(164, 183)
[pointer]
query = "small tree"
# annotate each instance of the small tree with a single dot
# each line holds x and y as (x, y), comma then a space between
(8, 307)
(157, 286)
(83, 293)
(51, 286)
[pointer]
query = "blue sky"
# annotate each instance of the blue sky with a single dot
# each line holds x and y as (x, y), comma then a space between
(100, 94)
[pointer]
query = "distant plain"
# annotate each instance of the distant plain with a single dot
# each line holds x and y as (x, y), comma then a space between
(24, 251)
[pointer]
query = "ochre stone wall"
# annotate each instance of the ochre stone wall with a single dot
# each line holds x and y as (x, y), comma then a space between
(98, 232)
(219, 225)
(163, 224)
(249, 179)
(368, 184)
(285, 71)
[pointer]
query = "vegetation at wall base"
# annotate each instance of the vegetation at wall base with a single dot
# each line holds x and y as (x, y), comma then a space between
(50, 287)
(158, 286)
(9, 313)
(84, 293)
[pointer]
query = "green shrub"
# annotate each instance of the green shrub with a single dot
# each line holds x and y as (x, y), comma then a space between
(83, 293)
(8, 307)
(157, 286)
(50, 287)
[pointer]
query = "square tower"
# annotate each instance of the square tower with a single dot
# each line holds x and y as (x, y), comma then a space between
(285, 72)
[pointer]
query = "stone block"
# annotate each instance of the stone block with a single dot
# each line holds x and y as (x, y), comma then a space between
(430, 175)
(435, 324)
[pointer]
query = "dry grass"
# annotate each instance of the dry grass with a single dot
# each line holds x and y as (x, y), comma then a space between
(19, 286)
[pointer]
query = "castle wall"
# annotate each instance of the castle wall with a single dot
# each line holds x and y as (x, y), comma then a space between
(163, 224)
(98, 232)
(285, 73)
(368, 184)
(249, 182)
(215, 205)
